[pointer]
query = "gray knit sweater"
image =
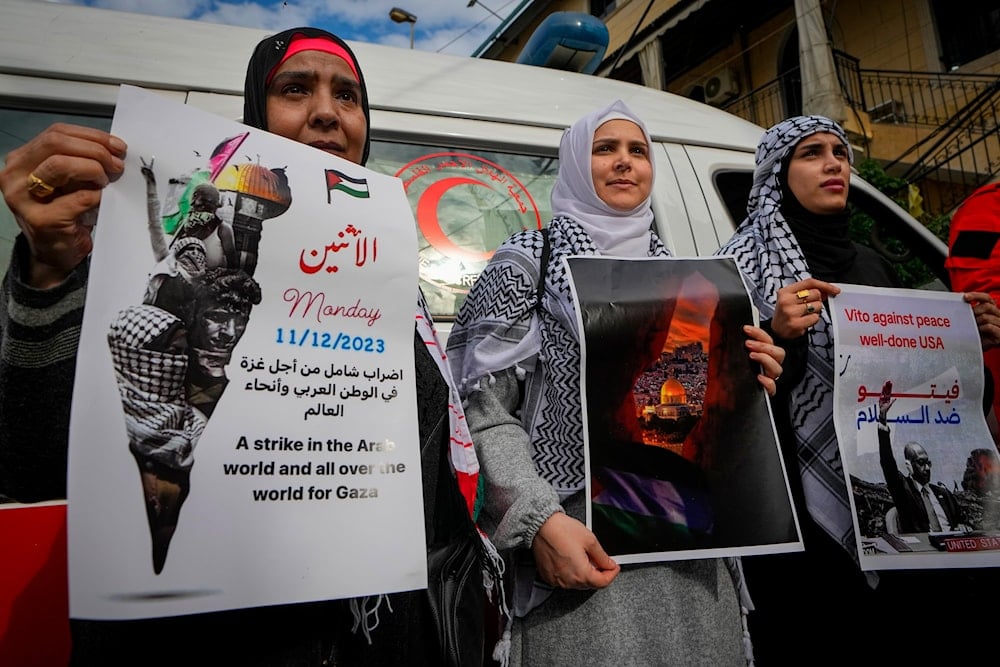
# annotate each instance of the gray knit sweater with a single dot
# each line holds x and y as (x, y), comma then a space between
(676, 613)
(39, 335)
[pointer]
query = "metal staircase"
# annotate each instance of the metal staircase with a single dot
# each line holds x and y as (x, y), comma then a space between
(959, 155)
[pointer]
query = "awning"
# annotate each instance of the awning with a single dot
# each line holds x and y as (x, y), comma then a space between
(671, 23)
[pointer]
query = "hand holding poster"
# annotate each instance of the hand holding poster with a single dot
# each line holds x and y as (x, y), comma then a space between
(682, 457)
(917, 454)
(244, 419)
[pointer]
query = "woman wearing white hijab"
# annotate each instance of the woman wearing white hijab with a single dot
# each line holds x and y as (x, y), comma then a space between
(517, 363)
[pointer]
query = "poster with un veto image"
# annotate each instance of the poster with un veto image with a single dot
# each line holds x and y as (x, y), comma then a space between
(918, 457)
(244, 424)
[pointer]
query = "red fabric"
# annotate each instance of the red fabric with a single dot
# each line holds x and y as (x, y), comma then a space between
(302, 43)
(34, 597)
(973, 263)
(970, 271)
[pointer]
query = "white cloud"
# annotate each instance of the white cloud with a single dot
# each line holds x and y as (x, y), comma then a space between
(448, 27)
(178, 9)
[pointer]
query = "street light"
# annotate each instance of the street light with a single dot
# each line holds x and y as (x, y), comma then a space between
(476, 2)
(402, 16)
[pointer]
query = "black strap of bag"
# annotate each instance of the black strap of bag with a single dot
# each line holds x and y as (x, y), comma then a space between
(543, 265)
(456, 596)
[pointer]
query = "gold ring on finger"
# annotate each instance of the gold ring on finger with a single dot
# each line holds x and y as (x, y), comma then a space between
(802, 294)
(810, 309)
(38, 188)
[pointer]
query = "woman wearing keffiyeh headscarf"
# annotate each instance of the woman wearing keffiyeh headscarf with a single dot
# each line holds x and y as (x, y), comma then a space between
(517, 363)
(791, 248)
(304, 84)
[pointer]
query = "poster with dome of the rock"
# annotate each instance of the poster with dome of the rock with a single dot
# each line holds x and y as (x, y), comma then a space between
(681, 455)
(245, 375)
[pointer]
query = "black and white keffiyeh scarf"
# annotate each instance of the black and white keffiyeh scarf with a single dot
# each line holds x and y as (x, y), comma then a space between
(150, 371)
(499, 326)
(770, 257)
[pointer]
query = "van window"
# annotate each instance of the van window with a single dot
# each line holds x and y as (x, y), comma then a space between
(919, 264)
(466, 203)
(17, 127)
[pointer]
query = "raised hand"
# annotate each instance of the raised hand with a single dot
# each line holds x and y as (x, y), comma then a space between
(52, 185)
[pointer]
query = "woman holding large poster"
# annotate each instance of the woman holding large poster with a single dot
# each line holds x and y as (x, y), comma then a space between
(792, 247)
(517, 361)
(303, 84)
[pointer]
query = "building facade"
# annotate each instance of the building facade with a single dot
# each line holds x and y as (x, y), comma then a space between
(916, 83)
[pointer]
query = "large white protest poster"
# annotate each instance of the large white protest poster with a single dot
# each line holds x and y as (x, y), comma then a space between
(244, 420)
(682, 458)
(909, 418)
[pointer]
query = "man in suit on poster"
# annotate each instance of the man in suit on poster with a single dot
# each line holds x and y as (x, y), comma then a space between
(920, 505)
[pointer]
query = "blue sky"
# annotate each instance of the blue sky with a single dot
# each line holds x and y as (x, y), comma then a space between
(445, 26)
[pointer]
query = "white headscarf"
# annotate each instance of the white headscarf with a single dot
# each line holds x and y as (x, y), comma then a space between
(614, 232)
(502, 325)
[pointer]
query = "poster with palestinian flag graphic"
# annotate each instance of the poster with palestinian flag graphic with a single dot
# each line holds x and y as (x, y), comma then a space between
(341, 182)
(682, 458)
(245, 374)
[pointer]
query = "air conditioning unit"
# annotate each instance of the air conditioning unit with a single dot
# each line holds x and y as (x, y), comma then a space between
(721, 87)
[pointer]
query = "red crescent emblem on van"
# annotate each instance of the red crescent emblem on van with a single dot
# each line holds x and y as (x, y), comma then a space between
(465, 206)
(430, 226)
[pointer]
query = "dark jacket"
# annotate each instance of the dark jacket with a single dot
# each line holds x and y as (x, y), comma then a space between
(906, 494)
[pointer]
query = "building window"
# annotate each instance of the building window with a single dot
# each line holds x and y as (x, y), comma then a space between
(967, 31)
(601, 8)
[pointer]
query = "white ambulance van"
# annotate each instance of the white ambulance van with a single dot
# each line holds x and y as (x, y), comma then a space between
(475, 142)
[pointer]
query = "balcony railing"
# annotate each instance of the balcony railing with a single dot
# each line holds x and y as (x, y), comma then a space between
(782, 97)
(962, 150)
(959, 155)
(919, 98)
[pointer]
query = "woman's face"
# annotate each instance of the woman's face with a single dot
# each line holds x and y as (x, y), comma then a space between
(620, 166)
(314, 99)
(819, 173)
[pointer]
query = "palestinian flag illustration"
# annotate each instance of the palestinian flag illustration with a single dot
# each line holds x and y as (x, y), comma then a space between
(338, 180)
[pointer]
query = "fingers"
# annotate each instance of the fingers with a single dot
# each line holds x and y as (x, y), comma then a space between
(806, 291)
(815, 285)
(51, 184)
(769, 364)
(601, 578)
(763, 349)
(989, 331)
(983, 305)
(568, 555)
(767, 354)
(769, 385)
(976, 298)
(757, 334)
(987, 318)
(599, 558)
(604, 569)
(67, 157)
(798, 306)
